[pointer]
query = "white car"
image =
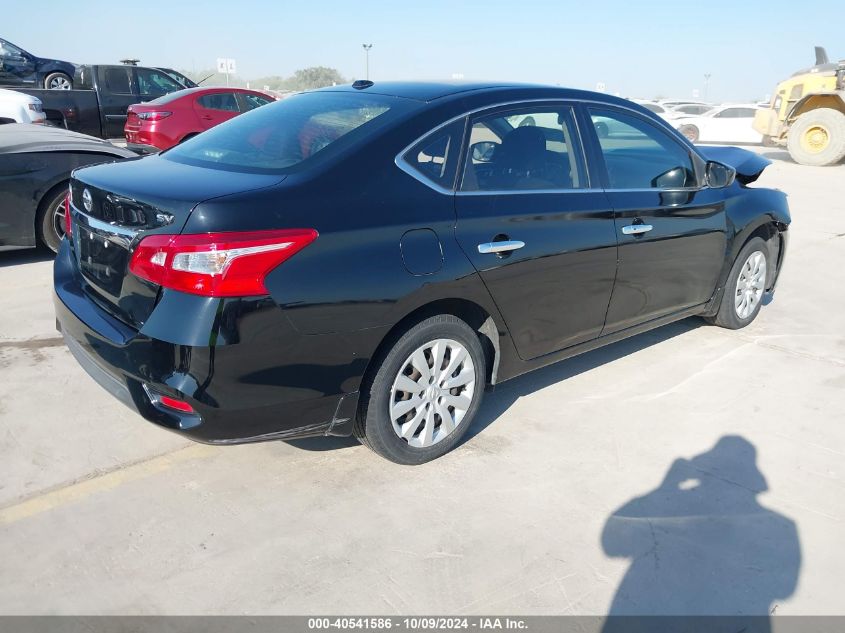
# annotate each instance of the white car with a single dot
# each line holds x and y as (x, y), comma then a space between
(723, 124)
(17, 107)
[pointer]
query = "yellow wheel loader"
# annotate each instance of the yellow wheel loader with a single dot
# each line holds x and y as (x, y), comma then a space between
(807, 114)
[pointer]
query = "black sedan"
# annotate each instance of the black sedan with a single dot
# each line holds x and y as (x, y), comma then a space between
(19, 68)
(368, 259)
(35, 166)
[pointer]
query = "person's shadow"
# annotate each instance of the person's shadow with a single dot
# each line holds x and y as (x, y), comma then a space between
(701, 544)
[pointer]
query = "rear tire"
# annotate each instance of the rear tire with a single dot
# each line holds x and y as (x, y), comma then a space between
(424, 392)
(58, 81)
(50, 220)
(742, 296)
(817, 137)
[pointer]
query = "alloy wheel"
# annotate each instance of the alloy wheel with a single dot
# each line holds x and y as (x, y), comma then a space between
(432, 392)
(58, 218)
(750, 285)
(59, 83)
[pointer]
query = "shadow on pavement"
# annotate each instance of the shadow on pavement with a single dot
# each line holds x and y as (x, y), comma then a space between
(502, 397)
(701, 543)
(25, 256)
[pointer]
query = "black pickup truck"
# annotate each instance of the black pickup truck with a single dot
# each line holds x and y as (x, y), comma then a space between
(97, 104)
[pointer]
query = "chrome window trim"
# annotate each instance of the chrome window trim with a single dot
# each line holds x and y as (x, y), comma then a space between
(400, 162)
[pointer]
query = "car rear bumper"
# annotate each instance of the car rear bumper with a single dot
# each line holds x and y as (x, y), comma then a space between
(235, 397)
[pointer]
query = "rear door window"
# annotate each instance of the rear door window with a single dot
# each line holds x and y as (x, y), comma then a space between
(219, 101)
(250, 102)
(521, 150)
(117, 80)
(286, 135)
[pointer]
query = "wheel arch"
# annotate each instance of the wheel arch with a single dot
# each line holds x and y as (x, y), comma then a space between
(832, 100)
(473, 314)
(770, 229)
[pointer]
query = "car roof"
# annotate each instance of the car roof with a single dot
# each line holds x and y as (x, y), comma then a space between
(185, 92)
(431, 91)
(17, 138)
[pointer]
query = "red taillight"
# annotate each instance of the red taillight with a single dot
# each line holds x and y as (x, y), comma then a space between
(153, 116)
(217, 264)
(173, 403)
(68, 218)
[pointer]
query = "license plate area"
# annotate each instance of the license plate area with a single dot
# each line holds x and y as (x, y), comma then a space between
(102, 257)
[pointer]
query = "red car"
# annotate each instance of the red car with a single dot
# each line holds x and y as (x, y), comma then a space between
(167, 121)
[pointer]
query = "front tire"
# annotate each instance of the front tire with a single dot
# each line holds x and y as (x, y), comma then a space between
(425, 391)
(50, 221)
(58, 81)
(817, 137)
(742, 296)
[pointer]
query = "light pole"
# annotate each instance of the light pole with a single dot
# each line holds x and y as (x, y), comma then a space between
(367, 48)
(706, 84)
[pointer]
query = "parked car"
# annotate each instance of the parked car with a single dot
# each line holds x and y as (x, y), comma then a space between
(366, 259)
(674, 103)
(20, 68)
(16, 107)
(691, 109)
(167, 121)
(35, 166)
(721, 124)
(103, 93)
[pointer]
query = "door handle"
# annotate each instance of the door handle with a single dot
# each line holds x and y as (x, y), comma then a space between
(500, 247)
(636, 229)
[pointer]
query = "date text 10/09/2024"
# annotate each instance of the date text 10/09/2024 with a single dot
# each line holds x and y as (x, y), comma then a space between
(417, 623)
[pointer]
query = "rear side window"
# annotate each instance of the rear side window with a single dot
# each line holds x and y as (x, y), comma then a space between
(285, 135)
(436, 157)
(254, 101)
(637, 155)
(117, 81)
(219, 101)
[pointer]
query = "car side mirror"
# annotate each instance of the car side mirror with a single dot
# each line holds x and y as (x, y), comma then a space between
(482, 151)
(675, 178)
(718, 175)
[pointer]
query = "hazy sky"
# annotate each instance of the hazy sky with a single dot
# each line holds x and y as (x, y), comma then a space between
(635, 48)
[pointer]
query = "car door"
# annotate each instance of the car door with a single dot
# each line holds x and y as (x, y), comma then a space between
(215, 108)
(17, 68)
(671, 229)
(542, 239)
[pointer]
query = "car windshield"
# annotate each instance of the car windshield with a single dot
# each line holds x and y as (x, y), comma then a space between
(279, 137)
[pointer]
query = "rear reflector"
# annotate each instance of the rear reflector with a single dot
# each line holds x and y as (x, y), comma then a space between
(173, 403)
(216, 264)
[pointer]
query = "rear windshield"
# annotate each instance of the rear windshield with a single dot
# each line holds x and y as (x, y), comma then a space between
(283, 136)
(167, 98)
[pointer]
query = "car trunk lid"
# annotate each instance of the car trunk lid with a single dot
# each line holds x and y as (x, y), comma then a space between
(124, 203)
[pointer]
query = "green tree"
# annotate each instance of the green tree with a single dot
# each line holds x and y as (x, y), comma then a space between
(314, 77)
